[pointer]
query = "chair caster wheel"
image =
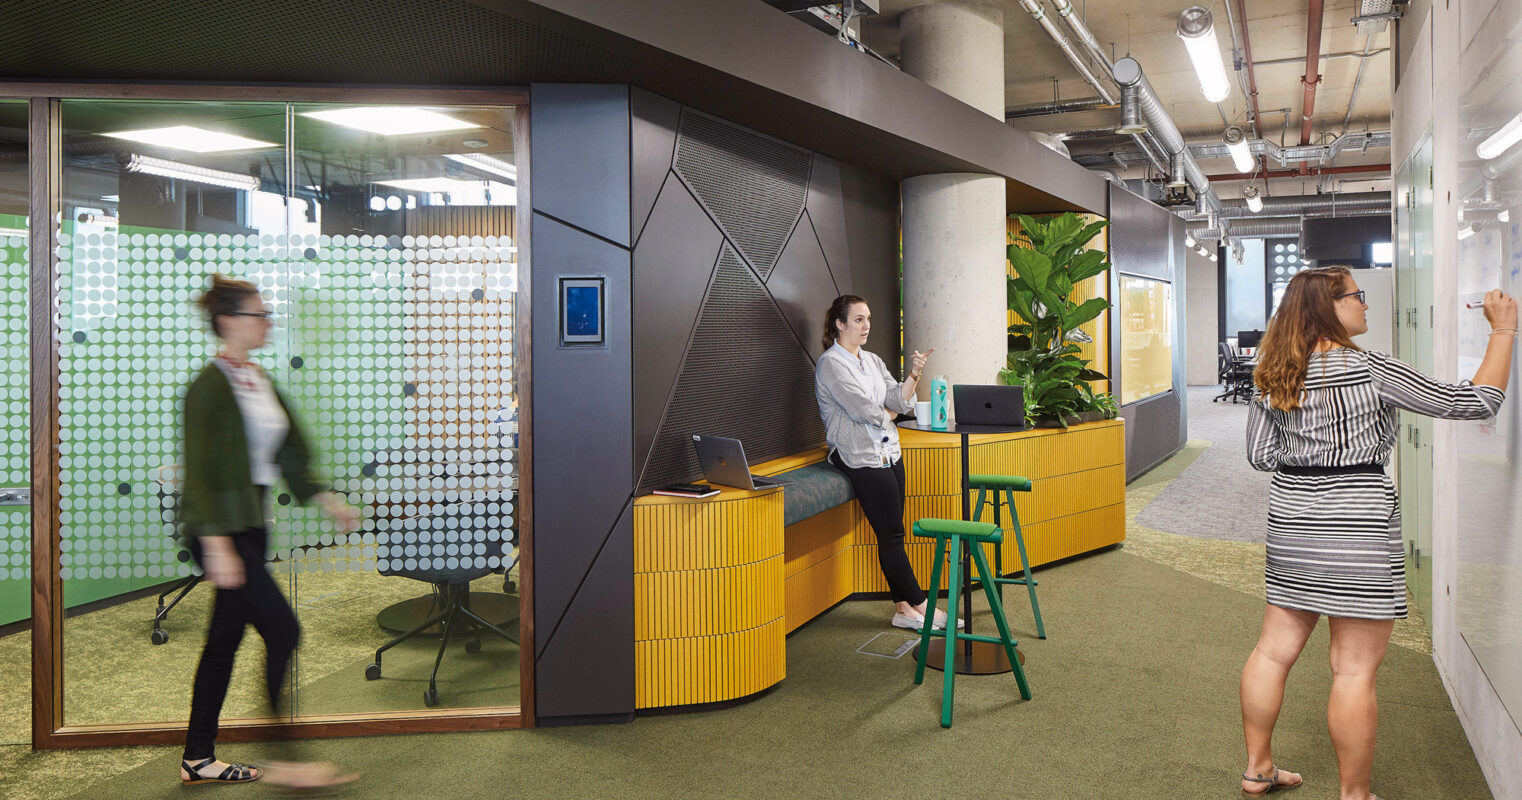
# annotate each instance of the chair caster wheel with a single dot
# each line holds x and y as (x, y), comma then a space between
(473, 646)
(431, 697)
(159, 636)
(510, 587)
(372, 672)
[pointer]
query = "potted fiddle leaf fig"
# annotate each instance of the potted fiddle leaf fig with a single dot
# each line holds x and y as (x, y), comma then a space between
(1044, 344)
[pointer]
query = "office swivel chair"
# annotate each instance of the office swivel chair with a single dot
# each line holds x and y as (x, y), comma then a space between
(1235, 374)
(168, 489)
(451, 592)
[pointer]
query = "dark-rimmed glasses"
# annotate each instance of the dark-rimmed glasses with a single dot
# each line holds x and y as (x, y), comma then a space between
(1360, 294)
(264, 315)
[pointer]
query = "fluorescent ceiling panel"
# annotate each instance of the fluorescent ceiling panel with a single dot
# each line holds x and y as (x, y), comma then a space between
(195, 140)
(391, 120)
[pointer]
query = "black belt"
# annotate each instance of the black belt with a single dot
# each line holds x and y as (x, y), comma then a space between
(1352, 469)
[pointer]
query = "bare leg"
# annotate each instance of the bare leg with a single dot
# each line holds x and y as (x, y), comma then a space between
(1352, 711)
(1279, 644)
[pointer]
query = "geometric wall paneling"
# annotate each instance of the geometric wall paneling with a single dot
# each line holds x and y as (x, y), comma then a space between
(653, 123)
(584, 130)
(589, 648)
(755, 186)
(826, 208)
(802, 286)
(582, 477)
(673, 266)
(744, 376)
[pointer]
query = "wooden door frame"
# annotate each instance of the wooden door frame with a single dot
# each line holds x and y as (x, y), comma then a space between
(45, 172)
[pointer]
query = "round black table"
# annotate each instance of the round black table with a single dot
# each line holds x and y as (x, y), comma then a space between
(978, 658)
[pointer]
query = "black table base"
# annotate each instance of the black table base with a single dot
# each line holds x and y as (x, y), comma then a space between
(973, 658)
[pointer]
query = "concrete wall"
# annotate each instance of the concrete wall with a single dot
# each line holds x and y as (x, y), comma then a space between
(1202, 307)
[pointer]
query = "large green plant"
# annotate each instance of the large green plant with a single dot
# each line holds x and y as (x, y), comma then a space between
(1044, 344)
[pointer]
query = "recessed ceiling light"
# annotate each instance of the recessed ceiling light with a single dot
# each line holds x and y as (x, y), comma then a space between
(445, 185)
(186, 137)
(391, 120)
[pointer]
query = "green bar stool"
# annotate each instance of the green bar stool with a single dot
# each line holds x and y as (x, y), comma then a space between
(954, 531)
(1007, 485)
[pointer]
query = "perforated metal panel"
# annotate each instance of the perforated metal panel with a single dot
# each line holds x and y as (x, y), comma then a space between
(745, 376)
(1139, 235)
(753, 185)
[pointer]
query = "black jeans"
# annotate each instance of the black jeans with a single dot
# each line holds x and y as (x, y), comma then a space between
(257, 602)
(880, 490)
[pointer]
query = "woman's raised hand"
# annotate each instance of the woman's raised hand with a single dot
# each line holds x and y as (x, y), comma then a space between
(917, 361)
(1500, 309)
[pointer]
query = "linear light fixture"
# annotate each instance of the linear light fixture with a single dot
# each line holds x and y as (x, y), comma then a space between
(444, 185)
(1236, 145)
(1502, 140)
(485, 163)
(187, 137)
(164, 168)
(1254, 202)
(1197, 28)
(391, 120)
(13, 232)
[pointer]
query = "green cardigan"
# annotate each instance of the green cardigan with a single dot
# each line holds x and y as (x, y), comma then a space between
(217, 495)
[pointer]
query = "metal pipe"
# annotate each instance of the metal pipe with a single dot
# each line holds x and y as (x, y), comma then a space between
(1128, 72)
(1252, 81)
(1313, 15)
(1324, 57)
(1057, 107)
(1289, 173)
(1038, 13)
(1246, 229)
(1357, 80)
(1297, 205)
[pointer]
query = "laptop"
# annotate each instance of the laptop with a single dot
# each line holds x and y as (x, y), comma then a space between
(723, 461)
(988, 405)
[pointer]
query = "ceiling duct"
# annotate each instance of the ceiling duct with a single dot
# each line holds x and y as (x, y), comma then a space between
(1247, 229)
(1050, 142)
(1321, 154)
(1128, 72)
(1348, 204)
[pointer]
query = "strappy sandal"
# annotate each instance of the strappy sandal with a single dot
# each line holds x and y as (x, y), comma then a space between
(1273, 783)
(190, 775)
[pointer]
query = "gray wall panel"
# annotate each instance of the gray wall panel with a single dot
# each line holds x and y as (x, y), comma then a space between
(802, 286)
(583, 423)
(653, 123)
(588, 668)
(826, 205)
(1152, 432)
(583, 131)
(672, 268)
(870, 207)
(1176, 251)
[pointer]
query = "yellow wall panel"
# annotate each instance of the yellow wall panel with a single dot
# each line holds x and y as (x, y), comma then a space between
(709, 669)
(812, 591)
(810, 541)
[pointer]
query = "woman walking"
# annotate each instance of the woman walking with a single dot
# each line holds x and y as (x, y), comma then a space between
(240, 438)
(856, 393)
(1325, 422)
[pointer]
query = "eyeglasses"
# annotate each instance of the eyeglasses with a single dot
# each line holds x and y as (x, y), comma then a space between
(1358, 294)
(265, 315)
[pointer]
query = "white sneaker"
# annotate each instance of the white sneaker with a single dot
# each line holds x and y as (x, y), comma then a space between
(915, 622)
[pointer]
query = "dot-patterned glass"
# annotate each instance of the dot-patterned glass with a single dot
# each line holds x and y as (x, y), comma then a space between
(15, 434)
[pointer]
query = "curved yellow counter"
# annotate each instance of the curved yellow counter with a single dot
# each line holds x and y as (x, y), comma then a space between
(719, 583)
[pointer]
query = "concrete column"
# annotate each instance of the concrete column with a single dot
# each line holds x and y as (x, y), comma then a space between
(954, 224)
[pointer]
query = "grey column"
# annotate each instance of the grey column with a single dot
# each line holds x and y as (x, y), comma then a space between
(954, 224)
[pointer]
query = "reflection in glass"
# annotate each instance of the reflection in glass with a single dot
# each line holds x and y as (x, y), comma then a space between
(15, 422)
(1489, 481)
(393, 336)
(1146, 337)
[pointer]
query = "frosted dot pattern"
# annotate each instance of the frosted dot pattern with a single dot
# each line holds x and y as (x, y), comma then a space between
(15, 400)
(396, 353)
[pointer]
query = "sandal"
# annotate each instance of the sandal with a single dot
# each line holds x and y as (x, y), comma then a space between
(190, 775)
(1273, 783)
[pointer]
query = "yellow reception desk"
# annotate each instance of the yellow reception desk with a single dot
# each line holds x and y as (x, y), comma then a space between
(719, 581)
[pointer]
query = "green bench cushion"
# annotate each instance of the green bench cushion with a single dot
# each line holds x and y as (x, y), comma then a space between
(815, 488)
(999, 482)
(932, 528)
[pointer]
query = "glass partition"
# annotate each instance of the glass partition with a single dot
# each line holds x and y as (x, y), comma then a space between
(382, 238)
(1489, 248)
(15, 426)
(1146, 338)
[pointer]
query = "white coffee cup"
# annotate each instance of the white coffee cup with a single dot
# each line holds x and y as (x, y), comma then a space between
(922, 412)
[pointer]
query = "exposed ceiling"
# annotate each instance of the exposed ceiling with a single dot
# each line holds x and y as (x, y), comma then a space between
(1144, 29)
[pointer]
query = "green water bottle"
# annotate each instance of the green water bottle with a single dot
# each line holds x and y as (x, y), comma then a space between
(938, 409)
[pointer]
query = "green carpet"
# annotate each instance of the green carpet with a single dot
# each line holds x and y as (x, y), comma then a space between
(1134, 695)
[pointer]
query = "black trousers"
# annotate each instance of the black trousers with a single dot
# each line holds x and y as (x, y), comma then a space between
(258, 602)
(880, 490)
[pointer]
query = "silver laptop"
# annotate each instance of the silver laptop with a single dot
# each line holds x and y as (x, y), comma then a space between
(724, 463)
(989, 405)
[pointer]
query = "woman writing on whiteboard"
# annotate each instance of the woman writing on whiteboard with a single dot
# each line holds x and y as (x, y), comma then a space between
(856, 393)
(1325, 423)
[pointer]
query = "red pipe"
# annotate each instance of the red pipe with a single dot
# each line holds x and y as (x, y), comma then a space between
(1290, 173)
(1252, 80)
(1313, 17)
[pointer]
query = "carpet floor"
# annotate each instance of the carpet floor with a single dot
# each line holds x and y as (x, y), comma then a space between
(1134, 693)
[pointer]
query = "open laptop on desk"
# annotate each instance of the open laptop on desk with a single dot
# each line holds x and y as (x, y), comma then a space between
(977, 404)
(724, 463)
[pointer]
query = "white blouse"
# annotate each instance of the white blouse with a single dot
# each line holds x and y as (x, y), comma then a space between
(265, 423)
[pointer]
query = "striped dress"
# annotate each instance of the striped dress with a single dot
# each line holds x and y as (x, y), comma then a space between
(1334, 541)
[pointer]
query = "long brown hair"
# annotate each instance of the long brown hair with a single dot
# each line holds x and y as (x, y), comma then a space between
(1307, 314)
(839, 310)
